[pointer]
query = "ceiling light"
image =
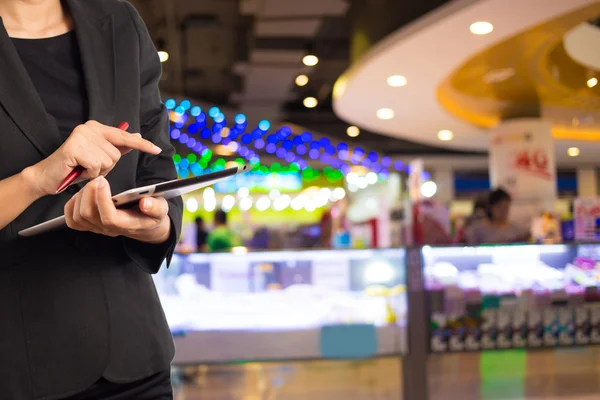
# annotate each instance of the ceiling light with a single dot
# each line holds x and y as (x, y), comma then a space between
(385, 113)
(163, 55)
(592, 82)
(396, 81)
(573, 151)
(310, 102)
(310, 60)
(445, 135)
(301, 80)
(353, 131)
(481, 28)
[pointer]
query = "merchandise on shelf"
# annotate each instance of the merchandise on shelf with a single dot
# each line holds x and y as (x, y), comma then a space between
(481, 299)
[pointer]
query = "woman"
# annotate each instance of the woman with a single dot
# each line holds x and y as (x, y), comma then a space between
(496, 228)
(80, 314)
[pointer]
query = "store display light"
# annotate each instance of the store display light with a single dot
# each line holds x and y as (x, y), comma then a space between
(592, 82)
(428, 189)
(301, 80)
(481, 28)
(310, 60)
(573, 151)
(385, 113)
(191, 205)
(310, 102)
(228, 203)
(163, 56)
(445, 135)
(396, 81)
(246, 203)
(353, 131)
(263, 203)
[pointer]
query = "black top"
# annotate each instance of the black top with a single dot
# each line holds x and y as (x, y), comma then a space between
(55, 68)
(83, 306)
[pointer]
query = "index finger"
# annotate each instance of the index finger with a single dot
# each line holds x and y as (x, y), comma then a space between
(120, 138)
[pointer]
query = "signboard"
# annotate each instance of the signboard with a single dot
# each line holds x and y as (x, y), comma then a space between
(587, 219)
(522, 162)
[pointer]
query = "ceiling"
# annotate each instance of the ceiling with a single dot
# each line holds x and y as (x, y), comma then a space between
(467, 83)
(244, 55)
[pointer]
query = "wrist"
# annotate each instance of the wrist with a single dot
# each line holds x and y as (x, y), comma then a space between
(28, 179)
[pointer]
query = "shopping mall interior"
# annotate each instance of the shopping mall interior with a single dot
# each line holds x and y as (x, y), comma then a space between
(421, 213)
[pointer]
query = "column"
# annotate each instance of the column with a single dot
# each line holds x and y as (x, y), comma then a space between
(587, 182)
(522, 162)
(444, 179)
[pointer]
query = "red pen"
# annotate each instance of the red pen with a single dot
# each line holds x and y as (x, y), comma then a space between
(79, 170)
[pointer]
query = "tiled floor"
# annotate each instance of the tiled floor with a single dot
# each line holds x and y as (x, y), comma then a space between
(572, 374)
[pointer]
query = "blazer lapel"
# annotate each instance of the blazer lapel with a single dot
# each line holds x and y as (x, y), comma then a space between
(95, 36)
(21, 101)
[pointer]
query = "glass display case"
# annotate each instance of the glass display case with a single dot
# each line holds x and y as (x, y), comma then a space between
(512, 296)
(285, 305)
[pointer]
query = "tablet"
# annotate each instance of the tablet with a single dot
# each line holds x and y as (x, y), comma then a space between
(167, 190)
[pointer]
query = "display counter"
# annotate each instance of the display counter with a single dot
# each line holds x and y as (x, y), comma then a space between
(285, 305)
(501, 297)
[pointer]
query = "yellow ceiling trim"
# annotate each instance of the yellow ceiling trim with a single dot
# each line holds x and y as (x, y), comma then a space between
(532, 55)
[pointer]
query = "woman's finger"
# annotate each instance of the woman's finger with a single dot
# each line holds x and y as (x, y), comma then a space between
(88, 209)
(122, 139)
(155, 208)
(108, 213)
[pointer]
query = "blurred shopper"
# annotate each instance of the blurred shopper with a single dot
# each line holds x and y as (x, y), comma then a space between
(201, 236)
(222, 238)
(496, 228)
(480, 211)
(479, 214)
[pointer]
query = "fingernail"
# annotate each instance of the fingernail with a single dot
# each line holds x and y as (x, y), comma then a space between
(157, 149)
(148, 204)
(101, 182)
(137, 134)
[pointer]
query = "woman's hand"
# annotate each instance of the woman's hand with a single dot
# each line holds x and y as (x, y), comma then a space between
(93, 210)
(95, 147)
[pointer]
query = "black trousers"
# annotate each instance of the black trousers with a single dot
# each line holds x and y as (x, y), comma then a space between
(155, 387)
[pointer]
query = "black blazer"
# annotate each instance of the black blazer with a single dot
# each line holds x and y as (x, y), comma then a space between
(78, 306)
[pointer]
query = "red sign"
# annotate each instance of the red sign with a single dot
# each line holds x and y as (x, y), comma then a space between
(533, 161)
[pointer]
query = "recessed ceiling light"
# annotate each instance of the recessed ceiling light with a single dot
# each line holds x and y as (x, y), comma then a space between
(481, 28)
(396, 81)
(310, 102)
(301, 80)
(445, 135)
(385, 113)
(310, 60)
(592, 82)
(573, 151)
(163, 55)
(353, 131)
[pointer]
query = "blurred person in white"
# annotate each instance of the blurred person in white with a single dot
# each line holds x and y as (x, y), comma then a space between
(496, 228)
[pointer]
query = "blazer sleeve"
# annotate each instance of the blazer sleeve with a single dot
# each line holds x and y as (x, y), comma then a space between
(153, 169)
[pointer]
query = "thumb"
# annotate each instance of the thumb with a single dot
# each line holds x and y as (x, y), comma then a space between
(156, 208)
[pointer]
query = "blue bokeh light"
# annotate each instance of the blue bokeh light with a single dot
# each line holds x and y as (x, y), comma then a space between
(170, 104)
(240, 119)
(186, 104)
(195, 111)
(270, 148)
(301, 149)
(214, 111)
(264, 125)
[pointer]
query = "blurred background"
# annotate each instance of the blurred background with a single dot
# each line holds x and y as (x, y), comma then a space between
(421, 215)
